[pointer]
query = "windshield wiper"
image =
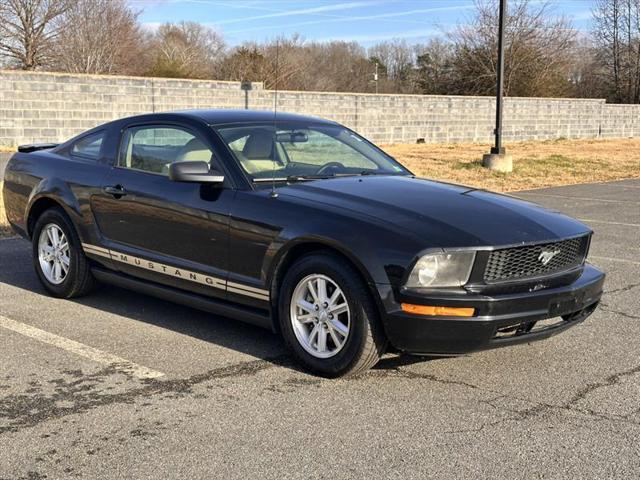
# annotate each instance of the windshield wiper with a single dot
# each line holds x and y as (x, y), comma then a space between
(292, 178)
(304, 178)
(269, 179)
(301, 178)
(371, 172)
(360, 174)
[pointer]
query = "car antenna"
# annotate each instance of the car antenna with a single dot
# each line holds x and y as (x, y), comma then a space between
(273, 193)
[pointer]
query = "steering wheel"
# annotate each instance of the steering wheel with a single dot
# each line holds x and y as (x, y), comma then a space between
(329, 166)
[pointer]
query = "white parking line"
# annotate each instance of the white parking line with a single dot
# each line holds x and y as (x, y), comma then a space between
(590, 220)
(621, 185)
(589, 199)
(80, 349)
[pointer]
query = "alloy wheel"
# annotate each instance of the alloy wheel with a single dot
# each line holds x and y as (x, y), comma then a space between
(54, 254)
(320, 316)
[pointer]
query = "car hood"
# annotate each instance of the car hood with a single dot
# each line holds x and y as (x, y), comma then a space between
(441, 214)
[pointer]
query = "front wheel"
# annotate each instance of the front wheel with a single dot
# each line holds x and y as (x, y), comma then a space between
(328, 318)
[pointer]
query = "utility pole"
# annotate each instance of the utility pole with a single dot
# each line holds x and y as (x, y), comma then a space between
(375, 77)
(498, 159)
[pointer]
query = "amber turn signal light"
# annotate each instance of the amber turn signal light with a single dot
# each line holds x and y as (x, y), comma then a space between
(437, 311)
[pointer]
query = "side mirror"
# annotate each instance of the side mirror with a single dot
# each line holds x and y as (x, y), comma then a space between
(194, 172)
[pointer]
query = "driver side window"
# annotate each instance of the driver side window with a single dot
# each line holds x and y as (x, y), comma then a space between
(153, 148)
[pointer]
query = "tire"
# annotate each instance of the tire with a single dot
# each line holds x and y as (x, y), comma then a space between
(77, 280)
(343, 355)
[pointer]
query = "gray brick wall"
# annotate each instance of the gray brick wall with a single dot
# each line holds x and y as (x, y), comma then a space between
(51, 107)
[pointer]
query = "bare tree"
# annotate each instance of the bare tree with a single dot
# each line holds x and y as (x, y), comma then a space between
(587, 73)
(28, 29)
(283, 58)
(298, 65)
(288, 59)
(244, 64)
(186, 49)
(537, 53)
(397, 59)
(617, 36)
(338, 67)
(434, 64)
(100, 36)
(542, 57)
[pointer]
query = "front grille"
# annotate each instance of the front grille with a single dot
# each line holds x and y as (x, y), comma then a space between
(527, 261)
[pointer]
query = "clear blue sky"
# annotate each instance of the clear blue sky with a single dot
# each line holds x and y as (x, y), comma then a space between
(365, 21)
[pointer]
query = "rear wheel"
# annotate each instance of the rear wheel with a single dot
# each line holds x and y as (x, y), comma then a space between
(328, 318)
(59, 261)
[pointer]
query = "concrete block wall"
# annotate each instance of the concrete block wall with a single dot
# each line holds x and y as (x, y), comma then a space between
(620, 121)
(52, 107)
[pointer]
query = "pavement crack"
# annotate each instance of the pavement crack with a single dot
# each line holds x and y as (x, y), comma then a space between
(607, 308)
(622, 289)
(408, 374)
(25, 410)
(610, 381)
(536, 408)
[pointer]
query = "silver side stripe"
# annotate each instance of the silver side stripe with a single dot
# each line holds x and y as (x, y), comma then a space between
(175, 272)
(245, 287)
(246, 293)
(168, 270)
(94, 247)
(96, 251)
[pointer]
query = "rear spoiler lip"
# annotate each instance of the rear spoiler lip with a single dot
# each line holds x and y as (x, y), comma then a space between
(34, 147)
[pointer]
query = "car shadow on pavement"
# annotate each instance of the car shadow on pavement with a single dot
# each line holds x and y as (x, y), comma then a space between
(16, 270)
(223, 331)
(395, 360)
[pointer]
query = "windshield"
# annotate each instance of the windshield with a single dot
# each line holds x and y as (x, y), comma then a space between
(289, 151)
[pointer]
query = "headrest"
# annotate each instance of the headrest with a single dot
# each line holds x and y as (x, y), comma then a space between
(194, 151)
(259, 145)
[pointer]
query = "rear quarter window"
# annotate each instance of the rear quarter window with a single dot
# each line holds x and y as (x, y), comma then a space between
(88, 147)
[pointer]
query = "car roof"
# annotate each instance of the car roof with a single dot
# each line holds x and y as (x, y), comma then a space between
(224, 116)
(208, 116)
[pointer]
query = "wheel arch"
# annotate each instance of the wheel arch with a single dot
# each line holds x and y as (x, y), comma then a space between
(302, 247)
(48, 193)
(40, 205)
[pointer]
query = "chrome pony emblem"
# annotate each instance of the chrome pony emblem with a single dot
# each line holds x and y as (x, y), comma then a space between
(546, 256)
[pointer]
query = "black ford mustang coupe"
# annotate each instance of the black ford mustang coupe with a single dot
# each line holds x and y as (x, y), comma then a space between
(301, 226)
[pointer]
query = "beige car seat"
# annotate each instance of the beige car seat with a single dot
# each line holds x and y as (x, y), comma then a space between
(194, 151)
(257, 153)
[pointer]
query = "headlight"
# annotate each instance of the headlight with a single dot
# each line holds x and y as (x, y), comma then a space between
(442, 270)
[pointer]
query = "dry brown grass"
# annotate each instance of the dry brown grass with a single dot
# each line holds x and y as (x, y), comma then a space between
(536, 164)
(5, 229)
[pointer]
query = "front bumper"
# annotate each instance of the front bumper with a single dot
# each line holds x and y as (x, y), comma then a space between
(499, 320)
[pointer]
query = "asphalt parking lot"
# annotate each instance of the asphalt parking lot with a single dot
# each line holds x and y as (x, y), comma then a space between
(118, 385)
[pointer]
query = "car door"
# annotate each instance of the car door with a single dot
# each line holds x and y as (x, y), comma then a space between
(157, 229)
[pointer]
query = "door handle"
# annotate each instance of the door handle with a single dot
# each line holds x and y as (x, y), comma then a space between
(117, 191)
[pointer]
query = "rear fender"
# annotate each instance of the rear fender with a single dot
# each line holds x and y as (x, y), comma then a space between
(50, 190)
